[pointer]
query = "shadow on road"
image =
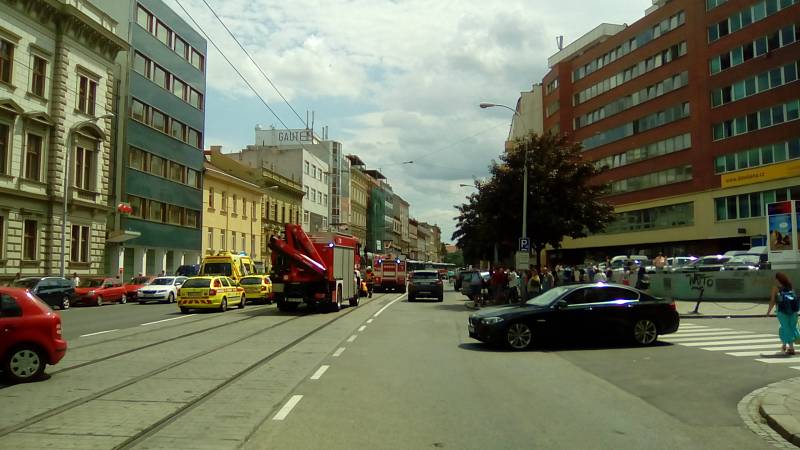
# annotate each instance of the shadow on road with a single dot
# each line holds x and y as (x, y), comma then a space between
(551, 347)
(459, 307)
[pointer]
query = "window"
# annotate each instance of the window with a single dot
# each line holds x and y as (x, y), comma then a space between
(253, 212)
(197, 60)
(141, 65)
(178, 130)
(87, 94)
(158, 166)
(155, 211)
(196, 99)
(175, 215)
(195, 139)
(33, 156)
(2, 235)
(176, 172)
(193, 178)
(211, 198)
(79, 249)
(143, 18)
(210, 238)
(306, 217)
(233, 241)
(39, 74)
(192, 218)
(235, 211)
(306, 167)
(224, 205)
(244, 208)
(222, 239)
(6, 61)
(84, 169)
(4, 146)
(137, 207)
(179, 88)
(163, 33)
(159, 121)
(137, 159)
(139, 111)
(244, 242)
(160, 77)
(29, 238)
(181, 48)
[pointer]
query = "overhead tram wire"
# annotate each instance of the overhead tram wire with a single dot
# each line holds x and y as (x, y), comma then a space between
(219, 19)
(235, 69)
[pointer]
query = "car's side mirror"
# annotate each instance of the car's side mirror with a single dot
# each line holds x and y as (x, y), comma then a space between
(561, 304)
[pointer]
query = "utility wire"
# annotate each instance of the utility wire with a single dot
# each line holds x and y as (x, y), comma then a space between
(235, 69)
(255, 63)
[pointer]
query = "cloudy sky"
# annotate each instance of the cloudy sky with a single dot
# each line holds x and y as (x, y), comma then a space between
(394, 80)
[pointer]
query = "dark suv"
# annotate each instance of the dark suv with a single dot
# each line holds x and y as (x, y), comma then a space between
(54, 291)
(425, 283)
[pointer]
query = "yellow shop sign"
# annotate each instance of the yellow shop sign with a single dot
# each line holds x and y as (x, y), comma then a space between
(761, 174)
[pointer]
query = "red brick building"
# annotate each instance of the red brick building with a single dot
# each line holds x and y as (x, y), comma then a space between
(694, 111)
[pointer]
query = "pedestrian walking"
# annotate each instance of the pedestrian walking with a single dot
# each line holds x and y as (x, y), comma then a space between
(513, 287)
(600, 277)
(642, 280)
(547, 279)
(534, 284)
(76, 279)
(786, 304)
(660, 262)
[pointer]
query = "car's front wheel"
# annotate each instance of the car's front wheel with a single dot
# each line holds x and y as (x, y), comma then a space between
(645, 332)
(123, 299)
(24, 363)
(99, 300)
(171, 298)
(242, 301)
(519, 336)
(65, 302)
(224, 305)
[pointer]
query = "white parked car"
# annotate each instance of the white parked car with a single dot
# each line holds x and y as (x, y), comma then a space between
(162, 289)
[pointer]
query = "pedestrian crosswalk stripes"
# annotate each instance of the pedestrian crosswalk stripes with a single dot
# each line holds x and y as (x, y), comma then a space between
(716, 337)
(761, 340)
(737, 343)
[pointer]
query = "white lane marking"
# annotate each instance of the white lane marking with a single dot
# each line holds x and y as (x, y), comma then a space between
(339, 352)
(369, 320)
(99, 332)
(352, 338)
(287, 408)
(387, 305)
(739, 347)
(702, 330)
(717, 333)
(165, 320)
(748, 341)
(757, 353)
(318, 374)
(785, 360)
(713, 337)
(362, 328)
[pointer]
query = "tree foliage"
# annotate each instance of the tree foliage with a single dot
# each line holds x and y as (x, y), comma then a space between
(562, 200)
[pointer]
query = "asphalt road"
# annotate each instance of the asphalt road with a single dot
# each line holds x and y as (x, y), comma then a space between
(414, 379)
(388, 374)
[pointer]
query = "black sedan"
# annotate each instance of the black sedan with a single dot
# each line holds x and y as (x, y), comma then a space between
(598, 310)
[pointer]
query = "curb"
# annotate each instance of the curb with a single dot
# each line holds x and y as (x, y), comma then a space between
(724, 316)
(778, 417)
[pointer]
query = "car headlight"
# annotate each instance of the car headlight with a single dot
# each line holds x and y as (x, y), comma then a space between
(491, 320)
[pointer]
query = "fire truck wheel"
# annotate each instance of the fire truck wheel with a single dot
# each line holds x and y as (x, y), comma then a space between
(338, 305)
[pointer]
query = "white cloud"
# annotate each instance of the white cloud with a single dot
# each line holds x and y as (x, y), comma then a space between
(407, 75)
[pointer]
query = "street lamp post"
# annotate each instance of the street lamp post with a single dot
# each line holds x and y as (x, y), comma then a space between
(524, 174)
(68, 151)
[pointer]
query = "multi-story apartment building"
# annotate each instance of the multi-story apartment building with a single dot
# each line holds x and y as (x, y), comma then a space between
(161, 121)
(57, 90)
(300, 166)
(281, 198)
(360, 187)
(693, 109)
(413, 242)
(529, 115)
(400, 209)
(336, 176)
(231, 213)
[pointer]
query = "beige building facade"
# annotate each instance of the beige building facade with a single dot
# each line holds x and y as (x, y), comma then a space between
(360, 187)
(56, 91)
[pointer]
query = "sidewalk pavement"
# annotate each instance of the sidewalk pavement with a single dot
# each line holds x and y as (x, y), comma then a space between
(714, 309)
(779, 405)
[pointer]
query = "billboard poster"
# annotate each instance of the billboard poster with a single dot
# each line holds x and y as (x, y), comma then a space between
(780, 226)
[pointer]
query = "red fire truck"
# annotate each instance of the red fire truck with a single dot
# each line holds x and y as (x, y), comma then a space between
(390, 274)
(315, 269)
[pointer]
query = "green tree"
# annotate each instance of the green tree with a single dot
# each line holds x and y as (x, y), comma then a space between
(563, 200)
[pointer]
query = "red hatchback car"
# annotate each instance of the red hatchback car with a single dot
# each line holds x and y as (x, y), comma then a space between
(30, 335)
(132, 286)
(99, 291)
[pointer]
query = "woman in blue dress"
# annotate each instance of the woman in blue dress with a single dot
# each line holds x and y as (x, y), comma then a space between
(787, 316)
